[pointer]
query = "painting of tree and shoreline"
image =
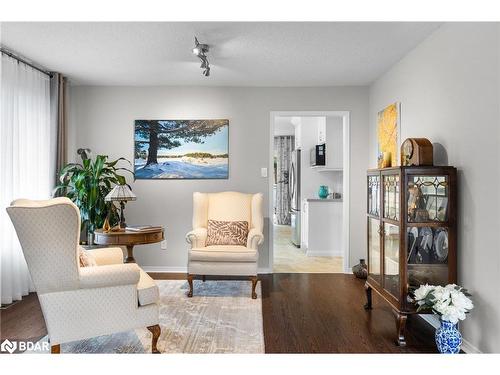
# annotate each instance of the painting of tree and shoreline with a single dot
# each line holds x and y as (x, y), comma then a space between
(181, 149)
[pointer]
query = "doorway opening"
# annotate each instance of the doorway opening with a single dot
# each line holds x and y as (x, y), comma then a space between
(309, 192)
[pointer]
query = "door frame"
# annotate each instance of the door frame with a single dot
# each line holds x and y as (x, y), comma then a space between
(345, 184)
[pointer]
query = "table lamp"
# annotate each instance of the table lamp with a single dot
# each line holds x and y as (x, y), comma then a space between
(122, 194)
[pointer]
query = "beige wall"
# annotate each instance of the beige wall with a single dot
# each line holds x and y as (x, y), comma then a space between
(449, 92)
(102, 119)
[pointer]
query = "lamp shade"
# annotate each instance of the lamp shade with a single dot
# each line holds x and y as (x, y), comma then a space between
(121, 193)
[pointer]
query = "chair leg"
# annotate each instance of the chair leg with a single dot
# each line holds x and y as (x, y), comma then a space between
(155, 330)
(190, 281)
(203, 278)
(55, 349)
(254, 285)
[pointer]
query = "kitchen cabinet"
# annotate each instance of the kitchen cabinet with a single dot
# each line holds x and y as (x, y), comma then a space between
(322, 227)
(298, 136)
(334, 141)
(322, 132)
(330, 132)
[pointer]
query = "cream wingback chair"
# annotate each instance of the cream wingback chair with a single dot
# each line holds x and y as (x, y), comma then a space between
(225, 260)
(80, 302)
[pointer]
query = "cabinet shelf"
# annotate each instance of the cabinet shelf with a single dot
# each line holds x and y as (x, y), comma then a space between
(322, 168)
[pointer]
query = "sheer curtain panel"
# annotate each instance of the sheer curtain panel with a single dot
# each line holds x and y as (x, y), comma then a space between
(283, 146)
(26, 140)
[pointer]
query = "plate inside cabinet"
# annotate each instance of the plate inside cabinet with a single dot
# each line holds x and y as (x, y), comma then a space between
(441, 244)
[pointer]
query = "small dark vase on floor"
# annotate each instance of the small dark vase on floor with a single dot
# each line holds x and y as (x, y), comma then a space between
(360, 270)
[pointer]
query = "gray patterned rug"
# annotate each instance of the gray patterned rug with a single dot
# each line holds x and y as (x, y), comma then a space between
(220, 318)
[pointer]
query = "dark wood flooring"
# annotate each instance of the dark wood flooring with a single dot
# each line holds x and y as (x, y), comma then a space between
(23, 320)
(302, 313)
(323, 313)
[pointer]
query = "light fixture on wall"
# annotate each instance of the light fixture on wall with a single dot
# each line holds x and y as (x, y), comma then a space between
(201, 51)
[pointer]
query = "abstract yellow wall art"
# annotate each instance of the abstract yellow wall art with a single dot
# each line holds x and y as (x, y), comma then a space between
(388, 132)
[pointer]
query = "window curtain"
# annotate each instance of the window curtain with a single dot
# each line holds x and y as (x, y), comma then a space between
(26, 141)
(59, 120)
(283, 146)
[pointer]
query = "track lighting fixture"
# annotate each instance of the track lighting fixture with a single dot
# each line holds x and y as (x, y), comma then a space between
(201, 51)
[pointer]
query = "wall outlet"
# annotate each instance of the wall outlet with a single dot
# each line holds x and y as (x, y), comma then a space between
(263, 172)
(163, 245)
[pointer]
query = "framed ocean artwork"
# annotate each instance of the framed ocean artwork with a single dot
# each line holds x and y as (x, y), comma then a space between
(181, 149)
(389, 133)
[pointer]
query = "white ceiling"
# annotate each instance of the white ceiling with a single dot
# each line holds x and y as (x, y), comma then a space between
(242, 54)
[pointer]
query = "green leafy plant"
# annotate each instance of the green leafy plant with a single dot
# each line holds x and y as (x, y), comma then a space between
(87, 185)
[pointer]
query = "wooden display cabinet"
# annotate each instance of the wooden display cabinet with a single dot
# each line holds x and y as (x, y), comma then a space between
(412, 237)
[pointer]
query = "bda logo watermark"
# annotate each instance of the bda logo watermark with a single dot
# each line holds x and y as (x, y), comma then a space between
(8, 346)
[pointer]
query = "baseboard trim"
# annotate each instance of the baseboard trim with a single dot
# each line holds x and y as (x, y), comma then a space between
(323, 253)
(468, 348)
(264, 270)
(166, 269)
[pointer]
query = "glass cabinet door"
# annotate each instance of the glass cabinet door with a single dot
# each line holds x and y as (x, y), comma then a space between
(427, 244)
(391, 259)
(427, 255)
(374, 269)
(374, 195)
(391, 197)
(427, 199)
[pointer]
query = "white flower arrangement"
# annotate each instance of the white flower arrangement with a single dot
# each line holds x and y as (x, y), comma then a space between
(451, 302)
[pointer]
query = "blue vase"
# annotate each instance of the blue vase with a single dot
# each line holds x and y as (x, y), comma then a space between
(448, 338)
(323, 192)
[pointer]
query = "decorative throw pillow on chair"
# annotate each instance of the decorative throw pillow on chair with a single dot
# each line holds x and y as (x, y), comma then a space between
(227, 233)
(86, 260)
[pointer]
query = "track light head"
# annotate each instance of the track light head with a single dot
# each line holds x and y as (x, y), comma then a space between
(201, 51)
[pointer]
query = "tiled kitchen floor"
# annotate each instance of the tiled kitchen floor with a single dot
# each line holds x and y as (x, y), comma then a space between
(290, 259)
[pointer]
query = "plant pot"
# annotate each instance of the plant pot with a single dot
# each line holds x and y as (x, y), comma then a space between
(360, 270)
(448, 338)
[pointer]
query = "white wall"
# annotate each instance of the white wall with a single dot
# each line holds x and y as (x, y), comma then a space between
(102, 118)
(449, 92)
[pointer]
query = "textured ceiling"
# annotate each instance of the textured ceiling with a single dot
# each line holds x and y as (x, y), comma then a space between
(242, 54)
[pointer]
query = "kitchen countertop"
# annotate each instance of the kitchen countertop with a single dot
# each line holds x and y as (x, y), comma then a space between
(323, 200)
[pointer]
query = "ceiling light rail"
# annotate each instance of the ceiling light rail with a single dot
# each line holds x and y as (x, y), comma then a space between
(201, 50)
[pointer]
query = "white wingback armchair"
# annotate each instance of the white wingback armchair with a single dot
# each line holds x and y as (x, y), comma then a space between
(80, 302)
(225, 260)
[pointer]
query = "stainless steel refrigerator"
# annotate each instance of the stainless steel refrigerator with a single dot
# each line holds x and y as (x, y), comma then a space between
(294, 193)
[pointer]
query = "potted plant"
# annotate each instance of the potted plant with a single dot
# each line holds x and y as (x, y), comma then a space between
(87, 184)
(451, 303)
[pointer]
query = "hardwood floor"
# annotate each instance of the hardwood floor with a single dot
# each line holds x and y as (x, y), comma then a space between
(302, 313)
(323, 313)
(23, 320)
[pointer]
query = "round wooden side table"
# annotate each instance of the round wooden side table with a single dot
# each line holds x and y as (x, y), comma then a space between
(128, 239)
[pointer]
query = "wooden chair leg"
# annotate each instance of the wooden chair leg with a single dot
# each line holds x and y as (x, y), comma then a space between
(254, 285)
(156, 331)
(55, 349)
(190, 281)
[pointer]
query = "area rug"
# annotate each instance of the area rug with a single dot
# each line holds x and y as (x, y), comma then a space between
(221, 317)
